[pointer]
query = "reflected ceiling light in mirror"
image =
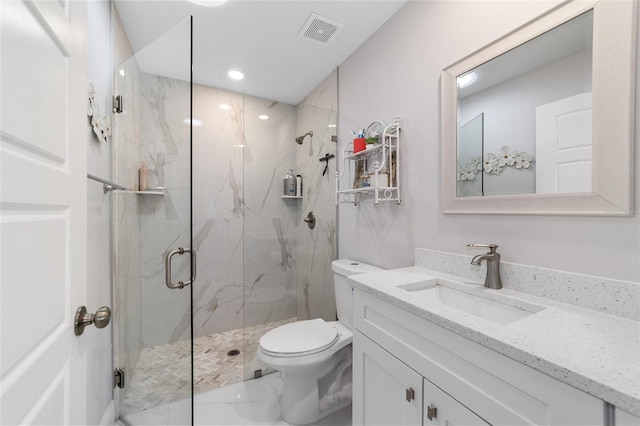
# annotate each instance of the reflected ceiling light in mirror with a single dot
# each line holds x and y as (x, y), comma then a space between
(263, 117)
(331, 126)
(208, 3)
(235, 75)
(467, 79)
(122, 72)
(224, 106)
(194, 122)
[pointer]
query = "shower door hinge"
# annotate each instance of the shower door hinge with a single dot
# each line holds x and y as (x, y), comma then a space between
(117, 104)
(118, 378)
(334, 138)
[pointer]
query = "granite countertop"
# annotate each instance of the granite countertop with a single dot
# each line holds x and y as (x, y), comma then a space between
(595, 352)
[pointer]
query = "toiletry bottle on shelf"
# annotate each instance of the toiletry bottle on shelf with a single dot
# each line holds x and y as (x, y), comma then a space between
(143, 177)
(289, 184)
(298, 185)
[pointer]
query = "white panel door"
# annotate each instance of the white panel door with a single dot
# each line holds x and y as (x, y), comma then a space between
(386, 391)
(563, 145)
(43, 119)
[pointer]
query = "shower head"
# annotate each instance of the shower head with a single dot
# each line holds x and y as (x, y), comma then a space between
(299, 139)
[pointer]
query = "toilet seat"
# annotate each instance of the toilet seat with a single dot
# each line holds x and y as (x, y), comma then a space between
(299, 338)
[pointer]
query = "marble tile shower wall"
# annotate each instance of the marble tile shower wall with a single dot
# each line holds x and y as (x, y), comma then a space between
(218, 210)
(317, 247)
(127, 263)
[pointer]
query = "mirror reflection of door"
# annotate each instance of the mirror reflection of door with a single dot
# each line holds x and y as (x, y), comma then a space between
(563, 145)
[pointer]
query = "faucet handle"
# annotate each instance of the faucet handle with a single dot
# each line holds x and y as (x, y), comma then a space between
(492, 247)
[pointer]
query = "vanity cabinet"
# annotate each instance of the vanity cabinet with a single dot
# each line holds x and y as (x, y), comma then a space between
(395, 350)
(395, 394)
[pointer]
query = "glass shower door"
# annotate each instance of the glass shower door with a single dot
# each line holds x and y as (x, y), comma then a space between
(152, 222)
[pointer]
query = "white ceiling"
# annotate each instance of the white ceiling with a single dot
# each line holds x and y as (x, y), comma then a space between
(259, 37)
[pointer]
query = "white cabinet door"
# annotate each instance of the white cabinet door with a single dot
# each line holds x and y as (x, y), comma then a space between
(442, 409)
(624, 418)
(386, 391)
(43, 210)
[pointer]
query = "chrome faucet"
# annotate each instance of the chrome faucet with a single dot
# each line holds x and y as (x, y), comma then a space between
(493, 265)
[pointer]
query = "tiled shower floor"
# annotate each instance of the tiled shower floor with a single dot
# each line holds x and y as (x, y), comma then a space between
(163, 375)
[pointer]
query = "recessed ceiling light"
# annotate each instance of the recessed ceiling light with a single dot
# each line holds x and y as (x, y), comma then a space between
(224, 106)
(208, 2)
(263, 117)
(467, 79)
(194, 122)
(122, 72)
(235, 75)
(331, 125)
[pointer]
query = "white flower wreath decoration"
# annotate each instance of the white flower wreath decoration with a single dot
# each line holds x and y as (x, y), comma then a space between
(494, 164)
(100, 125)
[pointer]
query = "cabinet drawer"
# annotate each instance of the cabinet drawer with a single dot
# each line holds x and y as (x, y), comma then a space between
(495, 387)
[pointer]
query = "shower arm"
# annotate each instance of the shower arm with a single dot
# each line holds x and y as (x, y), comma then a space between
(300, 139)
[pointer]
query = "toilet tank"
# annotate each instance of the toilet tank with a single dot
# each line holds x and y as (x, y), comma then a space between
(343, 268)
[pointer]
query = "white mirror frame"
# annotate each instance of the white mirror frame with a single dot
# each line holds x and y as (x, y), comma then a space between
(614, 51)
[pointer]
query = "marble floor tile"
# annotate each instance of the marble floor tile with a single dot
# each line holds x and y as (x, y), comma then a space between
(250, 403)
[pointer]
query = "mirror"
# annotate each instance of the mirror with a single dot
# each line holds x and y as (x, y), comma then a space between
(531, 120)
(527, 98)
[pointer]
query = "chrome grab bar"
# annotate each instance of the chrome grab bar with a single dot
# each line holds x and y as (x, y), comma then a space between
(167, 267)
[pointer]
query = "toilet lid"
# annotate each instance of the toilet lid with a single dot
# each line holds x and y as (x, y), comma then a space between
(299, 338)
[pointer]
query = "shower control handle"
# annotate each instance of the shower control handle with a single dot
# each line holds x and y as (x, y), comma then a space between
(82, 319)
(310, 220)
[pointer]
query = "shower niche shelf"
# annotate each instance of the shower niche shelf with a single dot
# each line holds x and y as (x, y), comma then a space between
(375, 170)
(292, 197)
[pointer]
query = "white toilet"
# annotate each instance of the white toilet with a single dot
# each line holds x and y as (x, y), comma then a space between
(314, 356)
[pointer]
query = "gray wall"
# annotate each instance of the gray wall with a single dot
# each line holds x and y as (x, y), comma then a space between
(419, 41)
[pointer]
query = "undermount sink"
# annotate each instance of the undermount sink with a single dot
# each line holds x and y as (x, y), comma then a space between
(490, 310)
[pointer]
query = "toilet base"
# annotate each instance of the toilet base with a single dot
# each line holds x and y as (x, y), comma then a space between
(307, 399)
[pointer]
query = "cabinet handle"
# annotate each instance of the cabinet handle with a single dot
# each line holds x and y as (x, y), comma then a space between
(432, 412)
(410, 394)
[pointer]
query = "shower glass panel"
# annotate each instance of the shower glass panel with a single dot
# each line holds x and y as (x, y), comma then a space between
(152, 157)
(287, 265)
(270, 223)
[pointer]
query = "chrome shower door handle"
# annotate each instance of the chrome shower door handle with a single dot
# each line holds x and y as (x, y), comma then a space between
(167, 267)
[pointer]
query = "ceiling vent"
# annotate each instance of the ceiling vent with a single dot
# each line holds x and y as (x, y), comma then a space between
(319, 29)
